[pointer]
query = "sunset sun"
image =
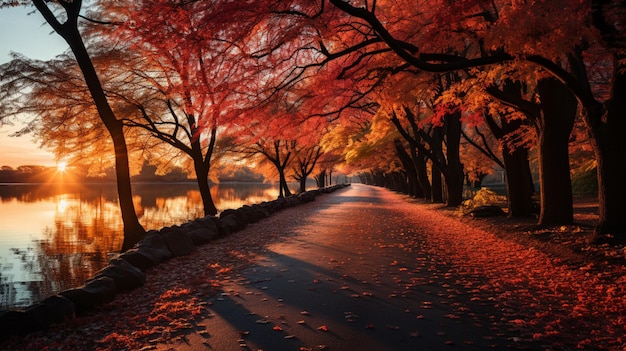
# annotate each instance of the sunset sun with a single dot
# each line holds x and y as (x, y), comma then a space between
(62, 166)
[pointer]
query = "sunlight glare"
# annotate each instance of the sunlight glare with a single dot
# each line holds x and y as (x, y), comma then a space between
(62, 166)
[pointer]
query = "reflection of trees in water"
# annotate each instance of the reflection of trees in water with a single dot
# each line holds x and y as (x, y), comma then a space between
(39, 192)
(87, 229)
(20, 292)
(167, 211)
(8, 292)
(236, 195)
(79, 242)
(149, 192)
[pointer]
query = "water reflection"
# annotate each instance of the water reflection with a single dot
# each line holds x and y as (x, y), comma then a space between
(53, 237)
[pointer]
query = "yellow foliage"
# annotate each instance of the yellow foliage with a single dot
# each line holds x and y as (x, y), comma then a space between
(483, 197)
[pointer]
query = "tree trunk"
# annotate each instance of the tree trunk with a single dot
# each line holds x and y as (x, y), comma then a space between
(283, 188)
(321, 179)
(606, 124)
(369, 178)
(133, 230)
(202, 175)
(397, 182)
(379, 178)
(610, 147)
(606, 130)
(436, 147)
(302, 185)
(437, 184)
(409, 167)
(422, 173)
(519, 182)
(454, 168)
(558, 111)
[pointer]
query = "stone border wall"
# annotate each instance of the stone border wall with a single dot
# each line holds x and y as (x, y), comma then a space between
(126, 272)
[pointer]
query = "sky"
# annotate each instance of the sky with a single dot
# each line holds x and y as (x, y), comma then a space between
(29, 35)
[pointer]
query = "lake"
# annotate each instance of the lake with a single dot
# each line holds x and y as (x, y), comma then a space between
(55, 236)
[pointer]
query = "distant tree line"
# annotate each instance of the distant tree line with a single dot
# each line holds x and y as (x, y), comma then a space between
(26, 174)
(47, 174)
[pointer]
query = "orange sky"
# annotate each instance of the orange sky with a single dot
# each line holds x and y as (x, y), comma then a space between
(21, 151)
(30, 36)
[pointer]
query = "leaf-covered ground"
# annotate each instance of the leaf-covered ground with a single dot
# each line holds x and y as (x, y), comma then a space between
(365, 268)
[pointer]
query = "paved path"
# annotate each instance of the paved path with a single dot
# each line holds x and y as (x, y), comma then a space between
(354, 277)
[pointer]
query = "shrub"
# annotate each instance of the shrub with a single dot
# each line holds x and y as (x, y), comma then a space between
(483, 197)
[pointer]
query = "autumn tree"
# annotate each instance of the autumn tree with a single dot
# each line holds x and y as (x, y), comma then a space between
(56, 100)
(371, 149)
(277, 152)
(191, 75)
(266, 142)
(305, 162)
(66, 25)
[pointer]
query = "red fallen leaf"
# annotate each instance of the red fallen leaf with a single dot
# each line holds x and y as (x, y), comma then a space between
(277, 328)
(517, 321)
(322, 328)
